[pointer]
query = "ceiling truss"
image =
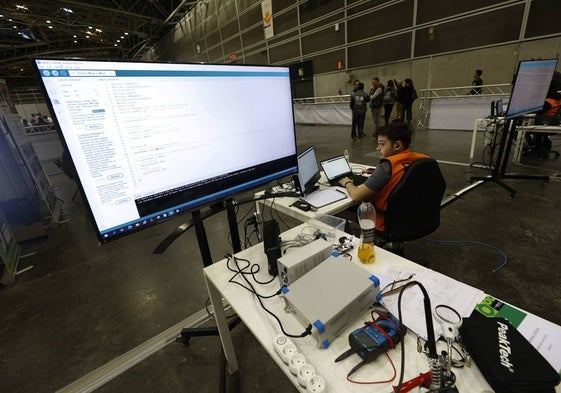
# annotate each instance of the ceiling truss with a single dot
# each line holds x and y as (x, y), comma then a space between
(123, 29)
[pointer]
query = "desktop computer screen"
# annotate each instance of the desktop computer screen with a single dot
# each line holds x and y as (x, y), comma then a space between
(530, 88)
(153, 140)
(308, 171)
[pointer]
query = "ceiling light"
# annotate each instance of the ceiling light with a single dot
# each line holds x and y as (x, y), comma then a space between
(75, 41)
(89, 27)
(50, 27)
(126, 33)
(98, 31)
(118, 40)
(67, 10)
(122, 37)
(48, 21)
(74, 36)
(114, 44)
(22, 7)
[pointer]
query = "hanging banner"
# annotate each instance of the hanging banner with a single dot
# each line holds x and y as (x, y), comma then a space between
(267, 12)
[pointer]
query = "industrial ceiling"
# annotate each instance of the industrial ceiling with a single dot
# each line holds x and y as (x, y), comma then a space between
(124, 29)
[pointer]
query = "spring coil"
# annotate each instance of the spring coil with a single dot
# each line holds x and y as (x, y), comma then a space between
(435, 373)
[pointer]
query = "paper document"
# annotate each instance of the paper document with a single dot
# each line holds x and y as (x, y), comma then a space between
(441, 289)
(324, 197)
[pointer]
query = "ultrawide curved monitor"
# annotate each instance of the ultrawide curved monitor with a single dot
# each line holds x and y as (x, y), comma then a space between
(153, 140)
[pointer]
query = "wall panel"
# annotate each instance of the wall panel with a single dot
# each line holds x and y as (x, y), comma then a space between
(285, 21)
(544, 18)
(479, 30)
(253, 36)
(381, 51)
(327, 62)
(429, 10)
(313, 9)
(382, 21)
(283, 53)
(323, 39)
(251, 17)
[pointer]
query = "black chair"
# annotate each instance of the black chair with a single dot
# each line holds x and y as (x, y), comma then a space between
(540, 142)
(413, 209)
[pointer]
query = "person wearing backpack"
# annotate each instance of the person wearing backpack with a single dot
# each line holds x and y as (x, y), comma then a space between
(390, 93)
(359, 100)
(376, 103)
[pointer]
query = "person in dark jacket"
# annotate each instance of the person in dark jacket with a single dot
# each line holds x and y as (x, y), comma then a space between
(359, 101)
(408, 95)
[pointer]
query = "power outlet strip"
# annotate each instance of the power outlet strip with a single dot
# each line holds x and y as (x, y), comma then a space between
(304, 372)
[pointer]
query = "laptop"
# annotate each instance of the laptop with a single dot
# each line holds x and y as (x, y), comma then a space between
(337, 168)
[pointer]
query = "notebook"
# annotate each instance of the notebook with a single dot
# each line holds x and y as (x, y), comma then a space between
(337, 168)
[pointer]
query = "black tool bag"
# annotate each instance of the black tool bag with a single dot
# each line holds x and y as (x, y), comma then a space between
(508, 361)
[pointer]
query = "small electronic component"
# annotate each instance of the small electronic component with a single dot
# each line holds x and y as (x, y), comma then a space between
(371, 340)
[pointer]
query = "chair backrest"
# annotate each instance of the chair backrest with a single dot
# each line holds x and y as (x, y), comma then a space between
(413, 209)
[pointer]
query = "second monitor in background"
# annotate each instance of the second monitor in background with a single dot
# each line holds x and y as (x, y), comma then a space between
(308, 171)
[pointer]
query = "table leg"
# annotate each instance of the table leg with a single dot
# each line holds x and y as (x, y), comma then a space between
(222, 324)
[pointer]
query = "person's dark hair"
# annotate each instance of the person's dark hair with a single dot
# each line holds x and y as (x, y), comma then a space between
(361, 86)
(376, 79)
(408, 81)
(390, 83)
(478, 72)
(396, 131)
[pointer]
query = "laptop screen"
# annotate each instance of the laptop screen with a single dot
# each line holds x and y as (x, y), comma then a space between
(336, 167)
(308, 170)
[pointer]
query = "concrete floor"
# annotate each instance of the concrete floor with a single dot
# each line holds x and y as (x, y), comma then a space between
(82, 305)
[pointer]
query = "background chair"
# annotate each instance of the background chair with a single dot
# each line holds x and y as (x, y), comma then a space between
(413, 209)
(539, 142)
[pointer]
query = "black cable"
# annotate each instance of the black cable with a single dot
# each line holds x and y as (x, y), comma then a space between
(431, 343)
(308, 330)
(251, 272)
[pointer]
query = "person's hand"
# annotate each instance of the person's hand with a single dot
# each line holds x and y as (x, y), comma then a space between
(343, 181)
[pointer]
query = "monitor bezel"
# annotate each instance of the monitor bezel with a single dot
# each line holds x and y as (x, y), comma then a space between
(233, 189)
(513, 112)
(309, 184)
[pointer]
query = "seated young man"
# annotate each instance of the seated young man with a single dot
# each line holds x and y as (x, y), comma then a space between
(393, 144)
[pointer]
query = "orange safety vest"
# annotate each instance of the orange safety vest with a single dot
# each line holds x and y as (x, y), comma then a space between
(555, 107)
(398, 163)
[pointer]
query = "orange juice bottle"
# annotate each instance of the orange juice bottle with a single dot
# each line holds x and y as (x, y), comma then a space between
(366, 215)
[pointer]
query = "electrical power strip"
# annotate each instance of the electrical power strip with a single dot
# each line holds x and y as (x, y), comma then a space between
(304, 372)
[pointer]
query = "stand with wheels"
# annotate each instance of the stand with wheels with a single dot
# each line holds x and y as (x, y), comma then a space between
(197, 219)
(498, 172)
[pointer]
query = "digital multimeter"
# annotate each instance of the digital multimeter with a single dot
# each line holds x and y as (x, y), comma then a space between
(373, 339)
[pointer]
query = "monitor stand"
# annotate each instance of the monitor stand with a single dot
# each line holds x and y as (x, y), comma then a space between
(498, 173)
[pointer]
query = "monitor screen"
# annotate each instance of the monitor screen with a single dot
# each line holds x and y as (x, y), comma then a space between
(499, 110)
(308, 170)
(152, 140)
(531, 83)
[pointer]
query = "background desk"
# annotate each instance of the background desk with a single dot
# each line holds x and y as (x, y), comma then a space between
(518, 142)
(264, 328)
